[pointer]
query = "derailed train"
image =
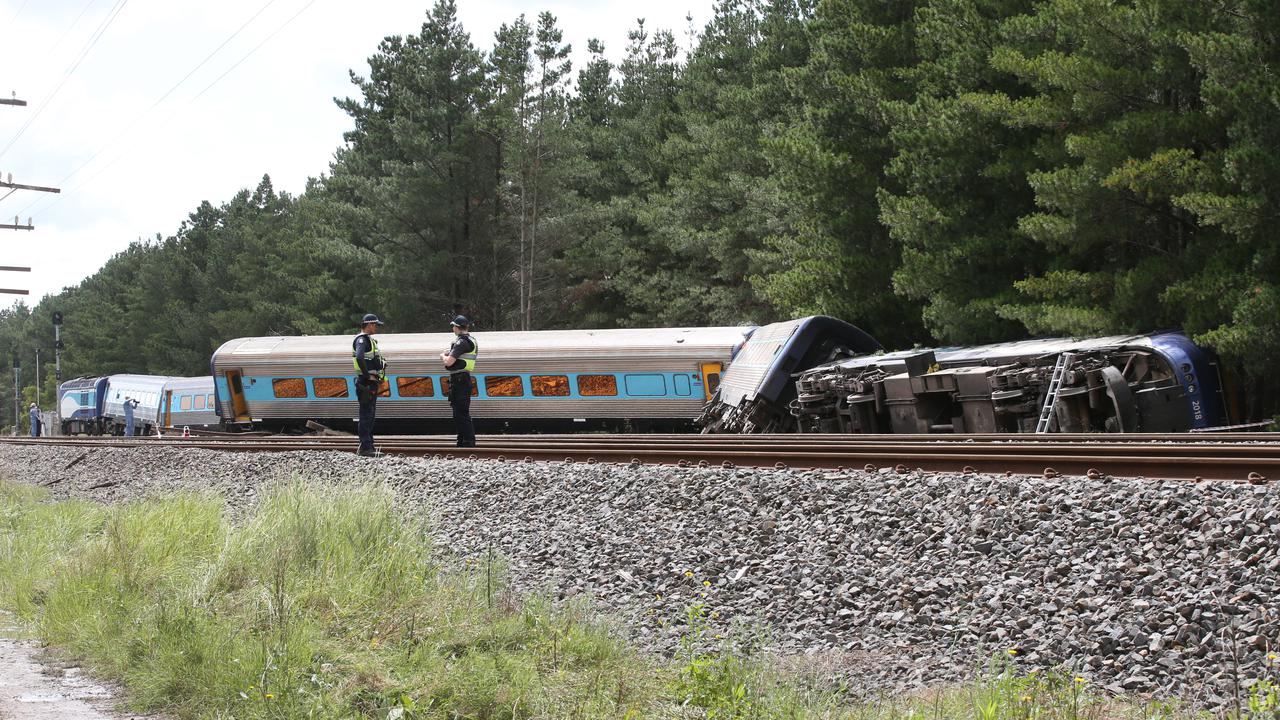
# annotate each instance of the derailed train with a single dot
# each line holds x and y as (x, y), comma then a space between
(814, 374)
(1142, 383)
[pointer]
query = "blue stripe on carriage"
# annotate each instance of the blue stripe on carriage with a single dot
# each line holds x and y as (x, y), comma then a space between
(630, 385)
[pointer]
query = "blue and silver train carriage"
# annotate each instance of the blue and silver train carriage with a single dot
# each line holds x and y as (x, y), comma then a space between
(544, 380)
(148, 390)
(190, 403)
(80, 405)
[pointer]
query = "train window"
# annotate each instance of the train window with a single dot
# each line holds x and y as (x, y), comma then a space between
(550, 385)
(185, 403)
(199, 402)
(597, 385)
(384, 388)
(289, 387)
(330, 387)
(647, 385)
(210, 404)
(415, 387)
(503, 386)
(444, 387)
(713, 382)
(683, 388)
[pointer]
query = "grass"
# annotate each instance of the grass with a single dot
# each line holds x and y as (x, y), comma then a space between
(332, 602)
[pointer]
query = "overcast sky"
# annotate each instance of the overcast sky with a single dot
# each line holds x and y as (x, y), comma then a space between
(140, 132)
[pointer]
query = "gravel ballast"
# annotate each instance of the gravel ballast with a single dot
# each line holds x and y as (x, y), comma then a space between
(892, 580)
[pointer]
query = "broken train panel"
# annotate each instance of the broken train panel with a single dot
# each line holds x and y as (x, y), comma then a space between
(757, 391)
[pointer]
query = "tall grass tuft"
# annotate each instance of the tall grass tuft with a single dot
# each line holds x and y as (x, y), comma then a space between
(325, 602)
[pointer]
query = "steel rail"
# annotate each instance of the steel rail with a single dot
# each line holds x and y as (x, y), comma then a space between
(713, 443)
(1184, 438)
(1211, 461)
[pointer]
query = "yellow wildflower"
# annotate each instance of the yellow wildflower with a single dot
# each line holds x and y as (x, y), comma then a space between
(1080, 680)
(1013, 652)
(706, 583)
(269, 696)
(688, 573)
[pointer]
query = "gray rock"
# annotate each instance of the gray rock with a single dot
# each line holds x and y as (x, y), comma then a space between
(907, 579)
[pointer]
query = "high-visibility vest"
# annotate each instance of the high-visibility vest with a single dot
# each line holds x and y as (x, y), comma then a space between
(373, 355)
(468, 359)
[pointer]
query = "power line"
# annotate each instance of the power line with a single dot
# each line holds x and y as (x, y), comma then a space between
(254, 50)
(131, 125)
(134, 122)
(19, 13)
(208, 57)
(93, 40)
(75, 22)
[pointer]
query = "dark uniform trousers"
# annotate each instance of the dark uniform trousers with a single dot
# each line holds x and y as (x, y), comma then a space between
(460, 401)
(367, 396)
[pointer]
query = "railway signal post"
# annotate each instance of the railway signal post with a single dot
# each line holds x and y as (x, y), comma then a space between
(17, 394)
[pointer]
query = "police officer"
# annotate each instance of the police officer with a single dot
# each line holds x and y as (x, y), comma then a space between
(370, 369)
(460, 360)
(35, 420)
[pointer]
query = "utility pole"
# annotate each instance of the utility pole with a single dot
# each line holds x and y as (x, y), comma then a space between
(37, 377)
(11, 268)
(7, 182)
(17, 397)
(57, 367)
(19, 186)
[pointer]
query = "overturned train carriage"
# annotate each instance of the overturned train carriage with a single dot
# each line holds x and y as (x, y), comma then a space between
(758, 388)
(1143, 383)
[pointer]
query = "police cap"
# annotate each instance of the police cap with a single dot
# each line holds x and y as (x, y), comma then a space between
(371, 318)
(461, 321)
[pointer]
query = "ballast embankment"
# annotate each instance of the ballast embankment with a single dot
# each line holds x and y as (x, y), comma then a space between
(891, 580)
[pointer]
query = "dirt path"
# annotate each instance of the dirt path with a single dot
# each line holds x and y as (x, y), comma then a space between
(33, 690)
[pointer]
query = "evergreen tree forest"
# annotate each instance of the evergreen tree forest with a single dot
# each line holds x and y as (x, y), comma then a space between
(933, 171)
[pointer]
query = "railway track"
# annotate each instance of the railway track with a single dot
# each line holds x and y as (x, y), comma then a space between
(1251, 457)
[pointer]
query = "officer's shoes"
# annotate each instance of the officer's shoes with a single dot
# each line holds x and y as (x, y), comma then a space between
(368, 453)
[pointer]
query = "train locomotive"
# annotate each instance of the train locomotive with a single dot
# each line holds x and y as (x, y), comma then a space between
(1159, 382)
(80, 405)
(636, 379)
